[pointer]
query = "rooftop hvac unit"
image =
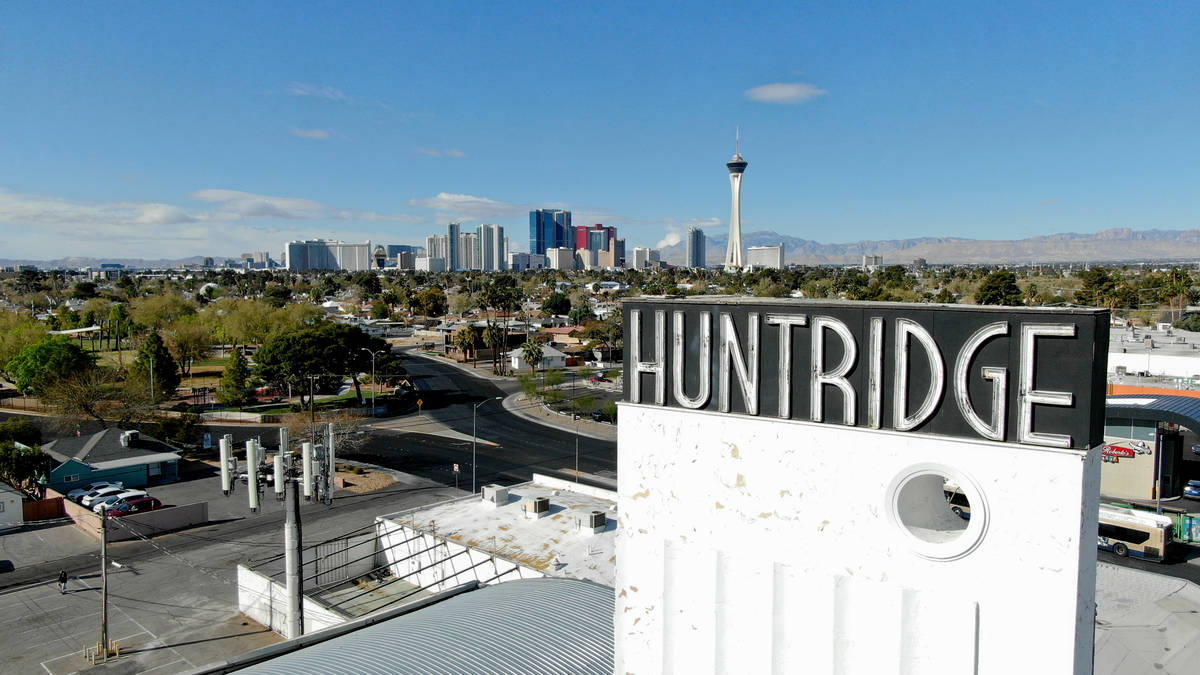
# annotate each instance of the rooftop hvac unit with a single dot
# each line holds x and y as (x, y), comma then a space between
(496, 495)
(593, 522)
(128, 438)
(537, 508)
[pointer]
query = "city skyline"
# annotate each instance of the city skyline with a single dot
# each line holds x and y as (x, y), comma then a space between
(229, 129)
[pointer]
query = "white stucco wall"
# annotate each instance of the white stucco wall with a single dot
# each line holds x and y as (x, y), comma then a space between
(436, 564)
(265, 601)
(761, 545)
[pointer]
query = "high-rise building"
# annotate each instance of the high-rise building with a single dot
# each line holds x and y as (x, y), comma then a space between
(406, 260)
(765, 257)
(870, 262)
(326, 254)
(453, 251)
(519, 262)
(596, 237)
(561, 258)
(695, 248)
(618, 252)
(437, 246)
(393, 249)
(468, 250)
(736, 166)
(641, 257)
(548, 228)
(491, 243)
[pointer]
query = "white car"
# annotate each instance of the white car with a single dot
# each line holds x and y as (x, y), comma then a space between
(78, 493)
(112, 500)
(99, 493)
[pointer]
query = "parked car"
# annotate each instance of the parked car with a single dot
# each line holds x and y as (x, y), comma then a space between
(598, 378)
(78, 493)
(1192, 489)
(138, 505)
(99, 493)
(112, 500)
(601, 416)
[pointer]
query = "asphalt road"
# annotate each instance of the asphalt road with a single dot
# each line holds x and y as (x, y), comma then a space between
(521, 447)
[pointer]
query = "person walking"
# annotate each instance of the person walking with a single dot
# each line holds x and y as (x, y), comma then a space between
(62, 581)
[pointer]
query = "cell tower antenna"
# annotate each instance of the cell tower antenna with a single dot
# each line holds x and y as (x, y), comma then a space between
(737, 142)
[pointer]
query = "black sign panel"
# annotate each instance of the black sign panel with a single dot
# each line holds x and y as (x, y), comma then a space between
(1032, 376)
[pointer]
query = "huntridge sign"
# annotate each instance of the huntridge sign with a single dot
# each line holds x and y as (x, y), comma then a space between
(1032, 376)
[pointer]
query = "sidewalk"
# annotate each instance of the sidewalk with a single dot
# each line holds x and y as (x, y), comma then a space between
(533, 411)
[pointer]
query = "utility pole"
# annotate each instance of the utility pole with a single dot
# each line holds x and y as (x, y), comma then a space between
(104, 582)
(291, 476)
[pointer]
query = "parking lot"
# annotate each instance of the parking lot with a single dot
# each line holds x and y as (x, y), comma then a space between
(172, 598)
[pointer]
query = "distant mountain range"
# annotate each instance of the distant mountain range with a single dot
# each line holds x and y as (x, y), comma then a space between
(77, 262)
(1116, 245)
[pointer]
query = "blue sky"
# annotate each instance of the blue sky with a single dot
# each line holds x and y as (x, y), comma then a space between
(174, 129)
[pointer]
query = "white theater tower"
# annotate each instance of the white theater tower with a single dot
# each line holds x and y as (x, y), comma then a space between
(736, 166)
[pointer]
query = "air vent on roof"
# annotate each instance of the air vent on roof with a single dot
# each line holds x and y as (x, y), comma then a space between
(495, 495)
(537, 508)
(128, 438)
(593, 522)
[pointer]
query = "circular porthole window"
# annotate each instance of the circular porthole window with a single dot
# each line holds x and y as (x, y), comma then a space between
(939, 512)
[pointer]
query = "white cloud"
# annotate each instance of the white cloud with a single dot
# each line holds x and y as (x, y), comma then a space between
(317, 91)
(319, 134)
(784, 92)
(33, 226)
(676, 229)
(469, 206)
(434, 152)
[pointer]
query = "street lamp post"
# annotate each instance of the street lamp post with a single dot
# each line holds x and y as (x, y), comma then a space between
(374, 385)
(473, 437)
(576, 416)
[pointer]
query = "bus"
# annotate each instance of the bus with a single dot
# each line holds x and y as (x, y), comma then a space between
(958, 502)
(1128, 532)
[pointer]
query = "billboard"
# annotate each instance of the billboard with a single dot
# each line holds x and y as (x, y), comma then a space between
(1033, 376)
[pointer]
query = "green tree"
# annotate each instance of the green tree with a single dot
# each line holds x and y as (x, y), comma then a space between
(379, 310)
(20, 430)
(493, 338)
(531, 354)
(37, 366)
(188, 340)
(329, 352)
(368, 284)
(998, 288)
(466, 340)
(556, 303)
(154, 357)
(277, 296)
(16, 333)
(23, 467)
(580, 315)
(158, 311)
(233, 387)
(84, 290)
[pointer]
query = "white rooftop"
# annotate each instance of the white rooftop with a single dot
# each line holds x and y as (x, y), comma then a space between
(553, 545)
(1146, 624)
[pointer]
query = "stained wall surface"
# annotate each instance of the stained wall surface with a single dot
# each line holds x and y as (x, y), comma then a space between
(767, 545)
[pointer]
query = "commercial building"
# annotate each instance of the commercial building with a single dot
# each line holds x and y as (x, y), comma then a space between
(644, 258)
(870, 262)
(12, 511)
(519, 262)
(395, 249)
(406, 260)
(436, 246)
(548, 228)
(765, 257)
(327, 254)
(427, 264)
(695, 248)
(562, 258)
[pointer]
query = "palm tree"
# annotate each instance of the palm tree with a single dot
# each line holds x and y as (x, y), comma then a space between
(493, 337)
(466, 339)
(531, 353)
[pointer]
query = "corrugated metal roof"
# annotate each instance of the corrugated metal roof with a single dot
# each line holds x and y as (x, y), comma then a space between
(521, 627)
(1182, 410)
